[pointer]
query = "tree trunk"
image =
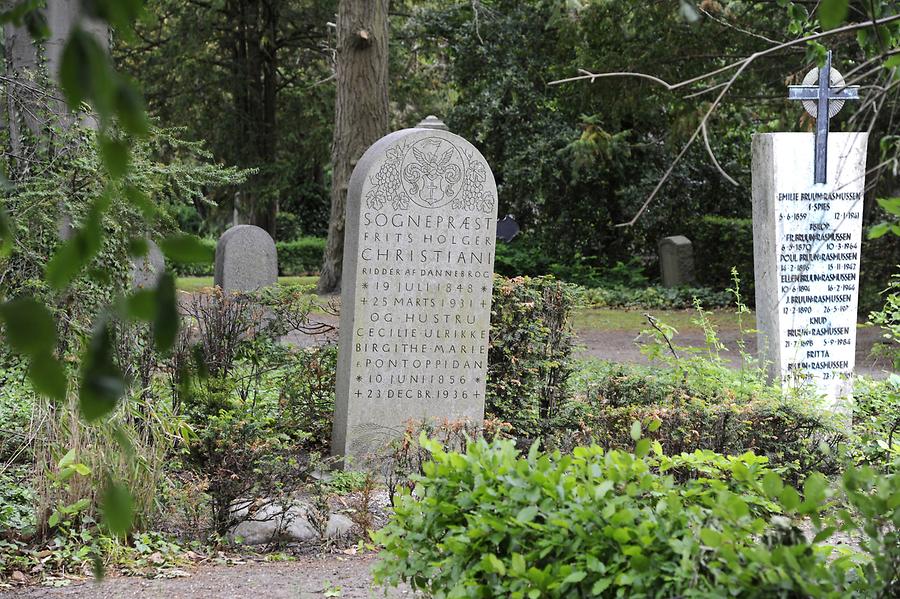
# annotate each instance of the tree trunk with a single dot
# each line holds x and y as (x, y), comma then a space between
(360, 115)
(254, 53)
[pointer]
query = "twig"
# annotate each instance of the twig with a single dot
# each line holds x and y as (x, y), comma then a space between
(653, 324)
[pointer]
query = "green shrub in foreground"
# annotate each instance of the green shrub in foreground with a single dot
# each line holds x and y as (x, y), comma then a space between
(494, 523)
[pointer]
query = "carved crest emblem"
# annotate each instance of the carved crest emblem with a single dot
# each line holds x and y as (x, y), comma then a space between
(431, 172)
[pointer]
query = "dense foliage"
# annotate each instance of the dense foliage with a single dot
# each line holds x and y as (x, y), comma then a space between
(491, 522)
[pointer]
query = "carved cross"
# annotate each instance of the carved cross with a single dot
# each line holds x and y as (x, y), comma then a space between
(431, 189)
(823, 94)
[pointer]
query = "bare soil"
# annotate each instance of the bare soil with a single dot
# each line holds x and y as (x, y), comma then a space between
(304, 578)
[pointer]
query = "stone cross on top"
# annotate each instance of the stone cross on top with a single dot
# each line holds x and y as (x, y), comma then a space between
(823, 100)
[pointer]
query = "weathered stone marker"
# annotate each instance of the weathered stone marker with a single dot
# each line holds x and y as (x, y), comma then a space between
(146, 270)
(246, 259)
(416, 289)
(676, 261)
(806, 243)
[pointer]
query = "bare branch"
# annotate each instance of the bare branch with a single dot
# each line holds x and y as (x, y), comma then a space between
(737, 64)
(712, 156)
(740, 65)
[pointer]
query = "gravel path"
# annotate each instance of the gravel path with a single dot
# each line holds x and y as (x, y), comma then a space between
(617, 345)
(305, 578)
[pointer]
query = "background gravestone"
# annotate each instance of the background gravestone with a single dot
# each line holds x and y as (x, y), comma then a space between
(416, 292)
(246, 259)
(146, 270)
(676, 261)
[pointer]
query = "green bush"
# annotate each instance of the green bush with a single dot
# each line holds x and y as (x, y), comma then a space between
(719, 410)
(529, 359)
(655, 297)
(493, 523)
(300, 257)
(197, 269)
(720, 244)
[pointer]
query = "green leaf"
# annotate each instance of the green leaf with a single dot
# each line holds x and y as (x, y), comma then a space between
(491, 563)
(67, 460)
(115, 157)
(574, 577)
(129, 107)
(636, 430)
(141, 305)
(642, 448)
(118, 13)
(891, 205)
(187, 249)
(601, 585)
(84, 73)
(879, 230)
(772, 484)
(815, 487)
(36, 23)
(166, 320)
(30, 329)
(790, 498)
(118, 508)
(710, 537)
(833, 12)
(102, 383)
(138, 247)
(892, 61)
(527, 514)
(654, 425)
(139, 200)
(6, 234)
(48, 376)
(73, 255)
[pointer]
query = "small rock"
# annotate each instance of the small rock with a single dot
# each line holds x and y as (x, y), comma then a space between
(338, 526)
(18, 577)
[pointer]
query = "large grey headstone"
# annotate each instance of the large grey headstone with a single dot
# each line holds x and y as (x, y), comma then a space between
(246, 259)
(806, 244)
(676, 261)
(416, 291)
(146, 270)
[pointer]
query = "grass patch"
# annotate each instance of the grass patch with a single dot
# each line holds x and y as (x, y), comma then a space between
(612, 319)
(197, 283)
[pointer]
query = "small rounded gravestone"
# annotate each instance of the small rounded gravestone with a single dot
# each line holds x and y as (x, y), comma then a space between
(147, 269)
(246, 259)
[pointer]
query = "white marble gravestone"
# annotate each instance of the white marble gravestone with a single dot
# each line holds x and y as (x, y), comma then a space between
(806, 246)
(246, 259)
(416, 289)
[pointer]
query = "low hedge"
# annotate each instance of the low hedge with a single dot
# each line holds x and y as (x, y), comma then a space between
(655, 297)
(705, 408)
(300, 257)
(295, 258)
(492, 522)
